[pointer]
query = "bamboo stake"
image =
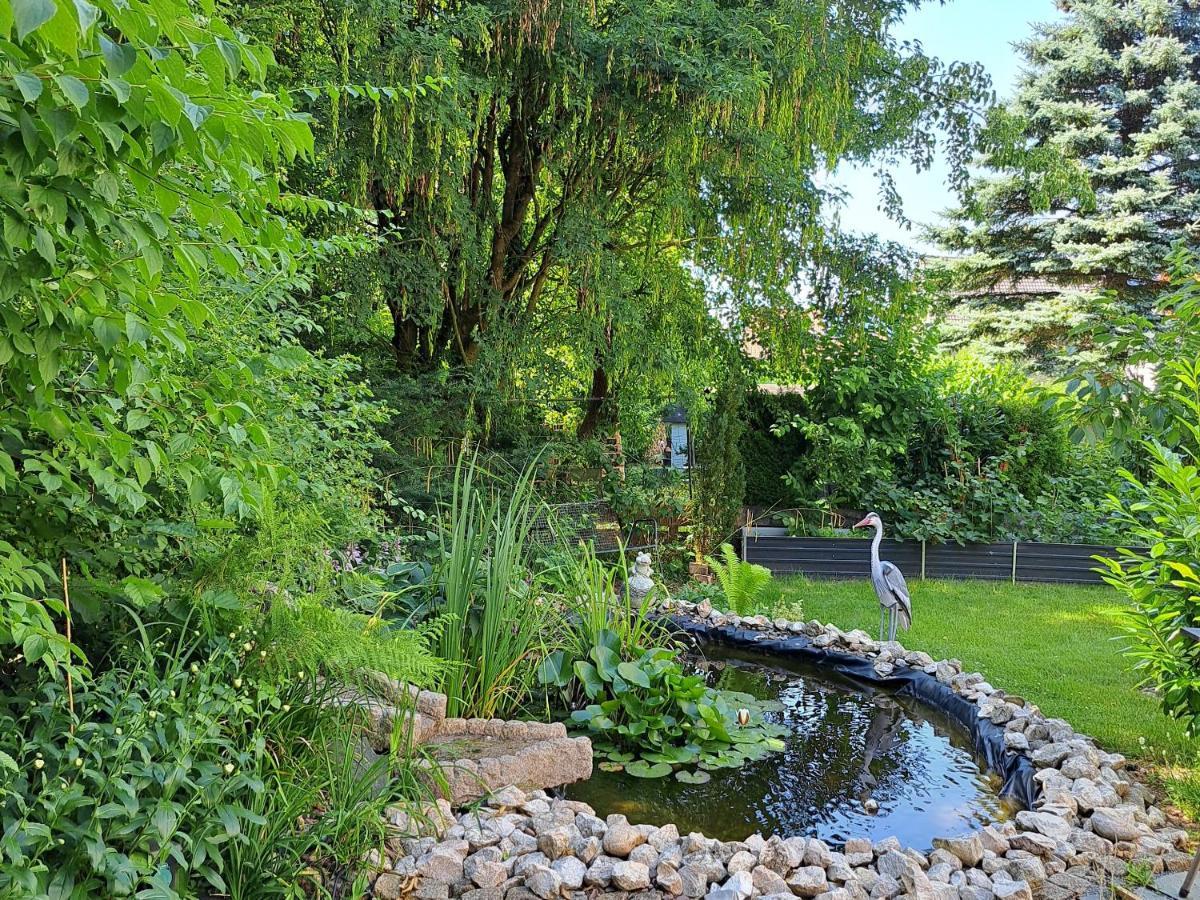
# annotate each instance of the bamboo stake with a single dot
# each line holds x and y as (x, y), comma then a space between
(67, 606)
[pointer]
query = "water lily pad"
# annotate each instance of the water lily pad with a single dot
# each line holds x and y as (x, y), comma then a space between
(619, 756)
(642, 769)
(607, 766)
(697, 777)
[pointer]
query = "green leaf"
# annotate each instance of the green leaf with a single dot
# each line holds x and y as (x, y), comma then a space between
(164, 821)
(697, 777)
(554, 670)
(118, 57)
(44, 244)
(74, 90)
(136, 419)
(642, 769)
(633, 673)
(30, 15)
(29, 85)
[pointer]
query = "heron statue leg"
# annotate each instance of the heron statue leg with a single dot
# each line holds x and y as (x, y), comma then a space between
(893, 621)
(882, 623)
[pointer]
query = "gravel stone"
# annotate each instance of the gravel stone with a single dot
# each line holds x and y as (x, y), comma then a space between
(630, 876)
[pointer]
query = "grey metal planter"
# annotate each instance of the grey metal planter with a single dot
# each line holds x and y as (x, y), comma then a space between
(819, 557)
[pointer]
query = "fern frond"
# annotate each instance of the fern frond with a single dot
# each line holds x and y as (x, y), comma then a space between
(742, 583)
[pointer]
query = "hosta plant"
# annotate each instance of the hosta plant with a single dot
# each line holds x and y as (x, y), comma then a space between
(650, 718)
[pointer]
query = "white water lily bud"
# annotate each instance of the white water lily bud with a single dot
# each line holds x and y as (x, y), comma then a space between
(743, 716)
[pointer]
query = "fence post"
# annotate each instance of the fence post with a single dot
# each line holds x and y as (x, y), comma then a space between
(922, 559)
(1014, 563)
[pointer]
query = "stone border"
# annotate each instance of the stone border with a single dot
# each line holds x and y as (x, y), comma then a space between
(1090, 818)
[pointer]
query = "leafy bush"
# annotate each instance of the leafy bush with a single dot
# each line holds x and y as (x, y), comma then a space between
(650, 718)
(646, 492)
(743, 584)
(1162, 581)
(1159, 511)
(597, 604)
(184, 766)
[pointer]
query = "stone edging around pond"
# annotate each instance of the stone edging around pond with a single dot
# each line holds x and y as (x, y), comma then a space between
(1091, 818)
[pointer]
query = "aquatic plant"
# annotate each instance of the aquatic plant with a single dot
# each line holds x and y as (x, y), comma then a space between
(490, 592)
(650, 718)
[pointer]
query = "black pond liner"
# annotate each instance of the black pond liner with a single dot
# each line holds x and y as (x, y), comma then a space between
(1014, 768)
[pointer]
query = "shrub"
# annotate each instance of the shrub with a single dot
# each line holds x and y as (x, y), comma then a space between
(1160, 512)
(183, 767)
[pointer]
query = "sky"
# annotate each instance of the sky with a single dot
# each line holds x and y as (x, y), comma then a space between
(968, 30)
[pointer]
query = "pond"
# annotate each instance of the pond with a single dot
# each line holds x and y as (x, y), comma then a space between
(848, 744)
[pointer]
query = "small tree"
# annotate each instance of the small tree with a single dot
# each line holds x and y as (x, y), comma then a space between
(719, 482)
(1160, 512)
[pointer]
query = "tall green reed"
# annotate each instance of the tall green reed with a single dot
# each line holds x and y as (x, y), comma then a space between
(492, 595)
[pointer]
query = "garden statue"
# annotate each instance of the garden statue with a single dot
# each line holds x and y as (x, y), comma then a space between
(641, 582)
(894, 602)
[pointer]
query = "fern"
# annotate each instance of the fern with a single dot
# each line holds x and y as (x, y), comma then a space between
(743, 584)
(308, 635)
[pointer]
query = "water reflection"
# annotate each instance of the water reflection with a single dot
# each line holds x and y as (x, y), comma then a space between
(848, 745)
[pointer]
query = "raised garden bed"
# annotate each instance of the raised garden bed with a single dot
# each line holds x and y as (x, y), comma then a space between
(821, 557)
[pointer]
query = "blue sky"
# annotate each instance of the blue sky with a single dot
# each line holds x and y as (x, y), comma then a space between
(969, 30)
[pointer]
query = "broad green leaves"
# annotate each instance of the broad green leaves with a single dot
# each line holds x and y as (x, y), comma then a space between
(131, 170)
(31, 14)
(647, 717)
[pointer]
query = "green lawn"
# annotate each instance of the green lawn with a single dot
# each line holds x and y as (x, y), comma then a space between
(1053, 645)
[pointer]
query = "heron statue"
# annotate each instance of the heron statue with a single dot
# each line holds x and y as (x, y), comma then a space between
(895, 605)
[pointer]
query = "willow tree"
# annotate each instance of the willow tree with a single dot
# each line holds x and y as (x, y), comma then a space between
(571, 158)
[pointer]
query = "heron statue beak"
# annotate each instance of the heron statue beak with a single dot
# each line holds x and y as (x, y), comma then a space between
(864, 523)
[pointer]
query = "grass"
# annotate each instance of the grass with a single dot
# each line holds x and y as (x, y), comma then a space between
(1058, 646)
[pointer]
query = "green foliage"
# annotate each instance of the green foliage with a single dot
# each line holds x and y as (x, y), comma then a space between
(950, 450)
(490, 592)
(1161, 581)
(180, 768)
(719, 479)
(649, 717)
(598, 605)
(1119, 407)
(646, 493)
(1110, 89)
(153, 388)
(743, 584)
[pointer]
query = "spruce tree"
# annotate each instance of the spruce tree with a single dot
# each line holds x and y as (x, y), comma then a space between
(1114, 86)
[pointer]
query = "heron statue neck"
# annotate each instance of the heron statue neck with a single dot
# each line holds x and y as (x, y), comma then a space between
(875, 541)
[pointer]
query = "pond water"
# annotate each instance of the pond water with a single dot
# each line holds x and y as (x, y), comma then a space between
(847, 744)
